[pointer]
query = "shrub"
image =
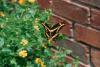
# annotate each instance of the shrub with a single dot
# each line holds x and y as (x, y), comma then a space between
(22, 39)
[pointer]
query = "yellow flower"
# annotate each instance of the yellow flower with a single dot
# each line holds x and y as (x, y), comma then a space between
(31, 1)
(44, 46)
(24, 42)
(43, 65)
(2, 14)
(21, 2)
(36, 20)
(13, 1)
(23, 53)
(2, 25)
(38, 60)
(36, 27)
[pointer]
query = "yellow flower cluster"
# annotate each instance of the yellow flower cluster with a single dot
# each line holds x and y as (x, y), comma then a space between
(2, 25)
(39, 61)
(23, 53)
(44, 46)
(36, 27)
(21, 2)
(2, 14)
(24, 42)
(36, 20)
(31, 1)
(13, 1)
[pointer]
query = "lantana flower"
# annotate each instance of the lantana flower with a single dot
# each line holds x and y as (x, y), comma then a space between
(21, 2)
(43, 65)
(36, 20)
(44, 46)
(2, 25)
(13, 1)
(24, 42)
(2, 14)
(31, 1)
(39, 61)
(23, 53)
(35, 24)
(36, 27)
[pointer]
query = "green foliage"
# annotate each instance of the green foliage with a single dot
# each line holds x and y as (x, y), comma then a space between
(22, 38)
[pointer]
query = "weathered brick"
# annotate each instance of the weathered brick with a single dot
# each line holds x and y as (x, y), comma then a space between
(95, 19)
(78, 11)
(78, 49)
(95, 54)
(66, 30)
(90, 2)
(71, 11)
(44, 3)
(87, 35)
(70, 60)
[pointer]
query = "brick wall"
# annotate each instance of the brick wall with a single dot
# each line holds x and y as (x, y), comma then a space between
(82, 19)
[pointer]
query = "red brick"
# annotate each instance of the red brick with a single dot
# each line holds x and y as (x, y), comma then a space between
(87, 35)
(90, 2)
(71, 11)
(66, 30)
(78, 49)
(85, 1)
(70, 60)
(44, 3)
(95, 20)
(95, 54)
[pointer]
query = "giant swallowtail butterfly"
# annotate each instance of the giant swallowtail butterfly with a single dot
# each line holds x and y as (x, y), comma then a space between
(53, 31)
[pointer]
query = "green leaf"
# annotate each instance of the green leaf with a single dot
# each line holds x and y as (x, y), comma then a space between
(47, 52)
(13, 61)
(68, 65)
(6, 50)
(1, 42)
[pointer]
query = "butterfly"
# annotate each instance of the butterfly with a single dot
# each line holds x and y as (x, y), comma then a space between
(52, 32)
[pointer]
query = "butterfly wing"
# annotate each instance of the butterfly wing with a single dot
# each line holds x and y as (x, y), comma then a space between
(47, 29)
(52, 33)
